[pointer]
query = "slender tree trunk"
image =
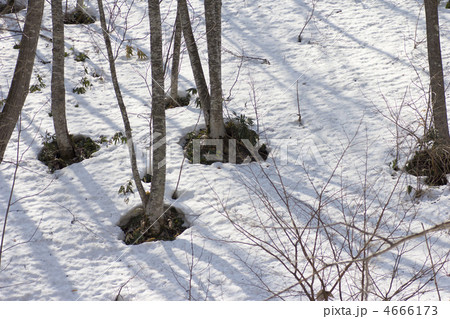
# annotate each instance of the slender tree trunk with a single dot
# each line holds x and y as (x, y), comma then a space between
(80, 4)
(214, 40)
(196, 63)
(155, 206)
(22, 74)
(122, 107)
(58, 94)
(436, 73)
(176, 57)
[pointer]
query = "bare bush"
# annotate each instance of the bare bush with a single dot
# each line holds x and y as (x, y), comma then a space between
(347, 241)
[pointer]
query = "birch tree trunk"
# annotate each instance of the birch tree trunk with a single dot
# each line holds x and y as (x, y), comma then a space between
(58, 94)
(196, 64)
(176, 58)
(438, 104)
(22, 74)
(155, 207)
(122, 107)
(214, 40)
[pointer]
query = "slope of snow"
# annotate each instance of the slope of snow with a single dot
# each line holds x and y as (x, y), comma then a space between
(62, 242)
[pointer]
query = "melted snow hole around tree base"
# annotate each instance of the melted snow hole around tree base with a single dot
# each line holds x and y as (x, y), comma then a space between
(136, 230)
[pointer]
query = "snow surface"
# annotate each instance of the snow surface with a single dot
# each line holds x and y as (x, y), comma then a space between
(356, 59)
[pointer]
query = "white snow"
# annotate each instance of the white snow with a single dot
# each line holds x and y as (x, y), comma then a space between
(356, 59)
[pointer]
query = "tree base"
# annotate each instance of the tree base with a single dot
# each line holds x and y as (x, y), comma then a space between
(50, 156)
(137, 230)
(78, 17)
(178, 102)
(237, 146)
(433, 163)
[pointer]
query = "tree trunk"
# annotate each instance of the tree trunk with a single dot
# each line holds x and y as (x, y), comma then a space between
(176, 58)
(122, 107)
(213, 38)
(196, 63)
(80, 4)
(437, 98)
(155, 206)
(22, 74)
(58, 94)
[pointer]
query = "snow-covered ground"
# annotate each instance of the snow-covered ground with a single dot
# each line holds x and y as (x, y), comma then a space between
(357, 62)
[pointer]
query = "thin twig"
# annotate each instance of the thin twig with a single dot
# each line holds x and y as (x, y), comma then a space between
(8, 207)
(298, 106)
(246, 57)
(308, 19)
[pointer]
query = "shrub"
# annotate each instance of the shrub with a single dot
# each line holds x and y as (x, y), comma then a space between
(85, 84)
(128, 51)
(39, 85)
(81, 57)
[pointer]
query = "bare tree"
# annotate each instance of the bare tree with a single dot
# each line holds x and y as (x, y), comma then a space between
(21, 80)
(211, 103)
(58, 94)
(196, 63)
(155, 207)
(122, 107)
(436, 73)
(327, 247)
(213, 18)
(176, 57)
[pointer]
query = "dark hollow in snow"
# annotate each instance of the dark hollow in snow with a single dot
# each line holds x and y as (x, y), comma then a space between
(78, 17)
(433, 162)
(5, 9)
(49, 155)
(135, 226)
(240, 145)
(180, 101)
